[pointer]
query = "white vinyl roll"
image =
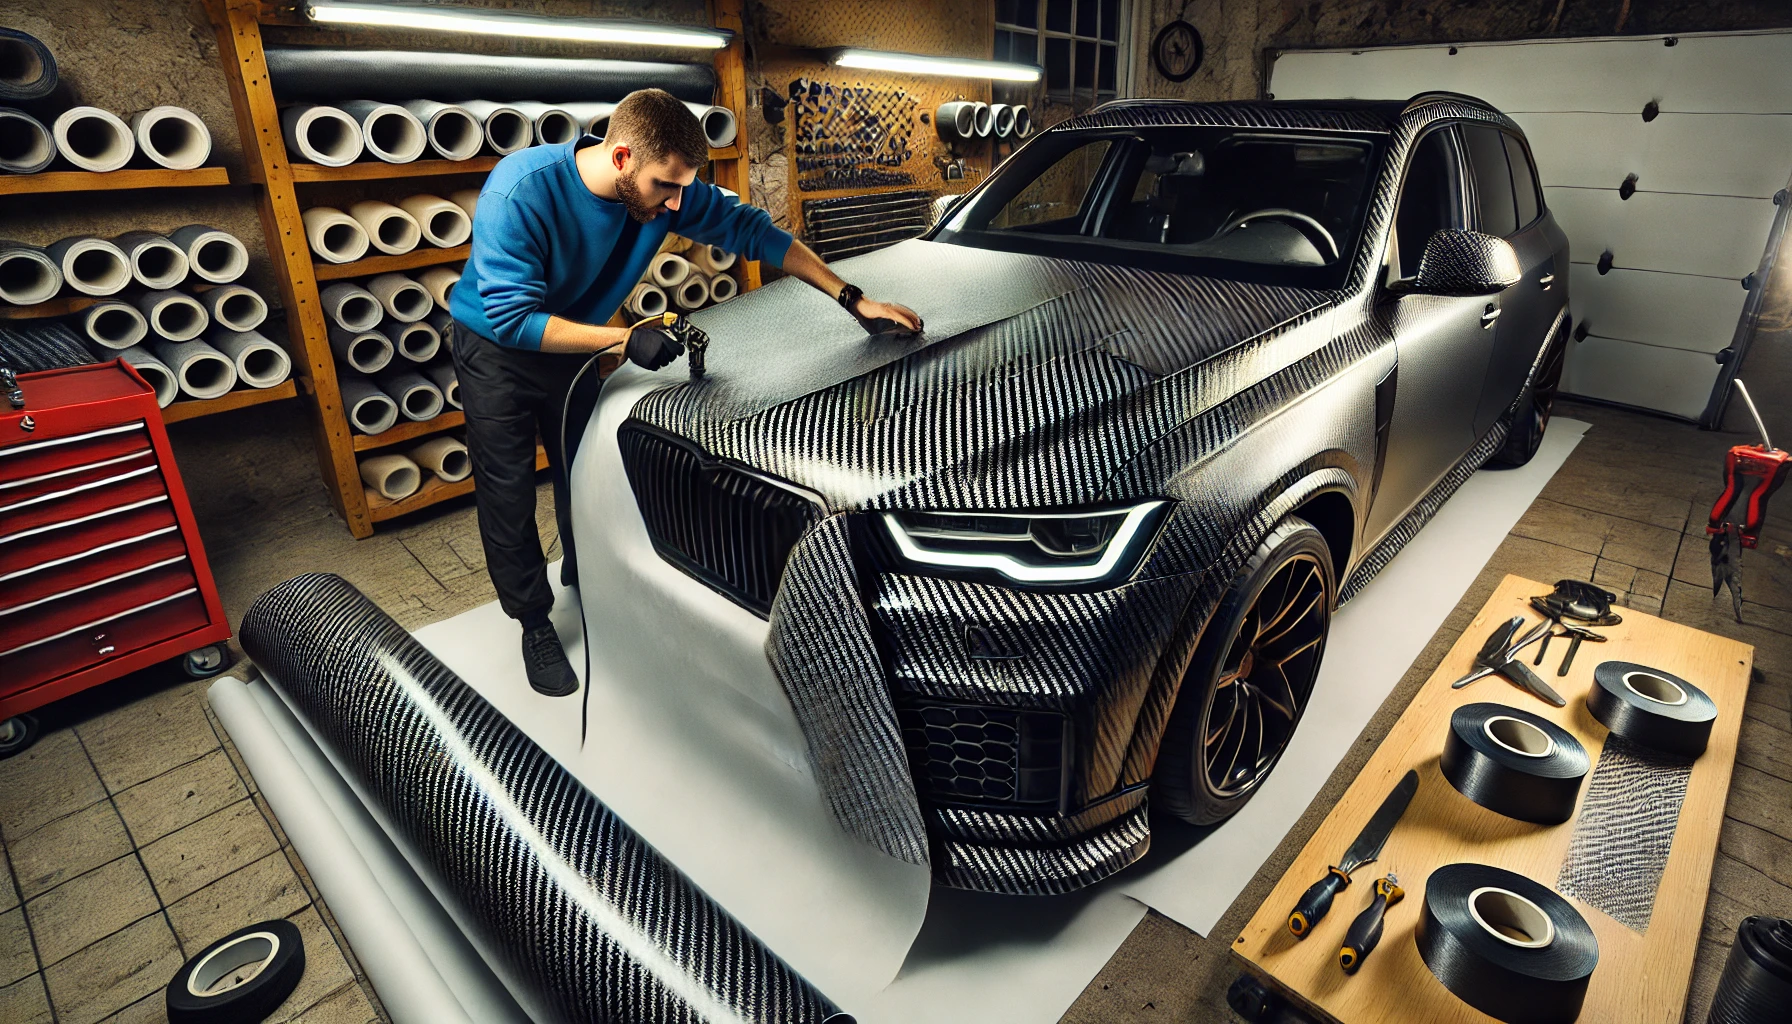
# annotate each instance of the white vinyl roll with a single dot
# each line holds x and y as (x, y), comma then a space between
(443, 375)
(389, 131)
(367, 351)
(982, 120)
(350, 306)
(153, 370)
(402, 298)
(467, 199)
(445, 457)
(439, 282)
(956, 121)
(172, 315)
(28, 275)
(668, 269)
(553, 126)
(719, 125)
(675, 243)
(216, 257)
(234, 307)
(390, 229)
(322, 135)
(155, 261)
(417, 341)
(710, 259)
(259, 362)
(417, 398)
(443, 223)
(114, 325)
(334, 236)
(506, 128)
(91, 266)
(592, 117)
(26, 145)
(454, 133)
(1002, 119)
(691, 293)
(393, 477)
(93, 139)
(172, 137)
(1023, 121)
(368, 409)
(722, 288)
(200, 370)
(648, 299)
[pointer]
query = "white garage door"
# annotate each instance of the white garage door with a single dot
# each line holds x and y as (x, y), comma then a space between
(1707, 165)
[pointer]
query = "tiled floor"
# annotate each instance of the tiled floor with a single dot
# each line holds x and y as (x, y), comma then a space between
(131, 835)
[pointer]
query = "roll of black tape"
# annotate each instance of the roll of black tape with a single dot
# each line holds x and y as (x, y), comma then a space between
(1657, 709)
(1756, 987)
(1514, 763)
(326, 75)
(1506, 945)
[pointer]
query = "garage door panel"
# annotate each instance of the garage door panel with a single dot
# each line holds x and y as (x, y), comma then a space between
(1729, 74)
(1673, 153)
(1668, 310)
(1617, 75)
(1667, 379)
(1716, 236)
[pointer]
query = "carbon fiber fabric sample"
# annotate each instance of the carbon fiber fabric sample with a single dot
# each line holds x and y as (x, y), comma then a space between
(45, 345)
(321, 74)
(1625, 830)
(820, 648)
(584, 919)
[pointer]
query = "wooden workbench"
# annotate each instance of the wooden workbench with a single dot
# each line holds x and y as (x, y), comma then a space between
(1641, 978)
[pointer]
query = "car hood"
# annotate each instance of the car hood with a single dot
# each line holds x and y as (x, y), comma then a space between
(1034, 381)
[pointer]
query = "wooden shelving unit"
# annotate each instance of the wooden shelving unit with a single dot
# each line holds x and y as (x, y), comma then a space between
(239, 399)
(238, 26)
(89, 181)
(61, 305)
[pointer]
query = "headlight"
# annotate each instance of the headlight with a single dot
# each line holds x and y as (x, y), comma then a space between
(1040, 548)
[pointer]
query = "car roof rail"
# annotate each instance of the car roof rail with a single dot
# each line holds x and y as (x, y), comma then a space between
(1441, 94)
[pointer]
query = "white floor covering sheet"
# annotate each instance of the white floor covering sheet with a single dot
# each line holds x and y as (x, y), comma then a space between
(743, 821)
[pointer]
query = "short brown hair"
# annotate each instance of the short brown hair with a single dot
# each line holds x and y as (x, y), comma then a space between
(655, 124)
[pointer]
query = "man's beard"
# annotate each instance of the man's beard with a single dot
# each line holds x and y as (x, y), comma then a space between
(629, 192)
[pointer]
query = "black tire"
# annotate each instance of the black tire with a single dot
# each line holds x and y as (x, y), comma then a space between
(1535, 403)
(1265, 680)
(224, 985)
(16, 734)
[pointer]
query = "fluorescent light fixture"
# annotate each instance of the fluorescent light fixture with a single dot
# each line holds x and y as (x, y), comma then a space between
(955, 67)
(496, 23)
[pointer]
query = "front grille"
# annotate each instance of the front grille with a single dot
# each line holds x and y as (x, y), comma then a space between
(723, 524)
(985, 755)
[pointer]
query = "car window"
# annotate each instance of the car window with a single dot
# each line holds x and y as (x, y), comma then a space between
(1052, 203)
(1493, 179)
(1524, 181)
(1427, 201)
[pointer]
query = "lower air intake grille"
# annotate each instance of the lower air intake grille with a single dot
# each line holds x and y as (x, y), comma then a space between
(985, 755)
(725, 525)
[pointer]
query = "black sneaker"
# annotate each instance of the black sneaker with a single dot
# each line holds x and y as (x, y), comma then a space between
(549, 671)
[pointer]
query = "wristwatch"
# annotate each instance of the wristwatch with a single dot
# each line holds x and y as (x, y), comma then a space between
(849, 297)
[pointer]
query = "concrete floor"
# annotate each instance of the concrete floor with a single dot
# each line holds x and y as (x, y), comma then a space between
(132, 835)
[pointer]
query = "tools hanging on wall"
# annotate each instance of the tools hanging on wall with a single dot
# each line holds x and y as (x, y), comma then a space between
(849, 136)
(1752, 472)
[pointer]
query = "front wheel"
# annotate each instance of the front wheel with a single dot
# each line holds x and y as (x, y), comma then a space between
(1250, 678)
(1535, 404)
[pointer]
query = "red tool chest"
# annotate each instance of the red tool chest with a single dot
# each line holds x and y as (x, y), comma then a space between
(101, 568)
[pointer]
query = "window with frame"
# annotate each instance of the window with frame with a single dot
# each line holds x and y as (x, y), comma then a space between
(1079, 43)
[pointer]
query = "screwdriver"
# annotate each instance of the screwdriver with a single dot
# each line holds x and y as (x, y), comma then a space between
(1365, 931)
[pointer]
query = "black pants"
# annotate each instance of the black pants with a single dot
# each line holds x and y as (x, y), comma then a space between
(510, 395)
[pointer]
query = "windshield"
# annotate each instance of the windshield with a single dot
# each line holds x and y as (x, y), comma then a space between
(1281, 207)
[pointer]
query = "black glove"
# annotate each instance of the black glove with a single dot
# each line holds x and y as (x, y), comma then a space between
(653, 347)
(849, 299)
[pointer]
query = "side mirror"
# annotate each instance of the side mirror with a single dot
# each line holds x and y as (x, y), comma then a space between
(1466, 263)
(941, 209)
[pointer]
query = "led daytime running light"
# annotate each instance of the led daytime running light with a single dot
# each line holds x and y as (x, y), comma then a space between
(494, 23)
(956, 67)
(1017, 570)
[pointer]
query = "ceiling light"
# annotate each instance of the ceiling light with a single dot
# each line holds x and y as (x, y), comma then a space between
(956, 67)
(493, 23)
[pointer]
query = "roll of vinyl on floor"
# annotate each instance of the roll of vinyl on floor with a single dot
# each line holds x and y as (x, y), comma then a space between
(1756, 987)
(1506, 945)
(1514, 763)
(1657, 709)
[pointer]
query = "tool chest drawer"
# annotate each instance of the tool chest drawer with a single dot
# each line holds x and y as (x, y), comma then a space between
(101, 567)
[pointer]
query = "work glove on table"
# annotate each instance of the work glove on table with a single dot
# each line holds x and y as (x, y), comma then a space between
(653, 346)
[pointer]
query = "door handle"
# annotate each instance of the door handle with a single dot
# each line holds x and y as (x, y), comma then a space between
(1546, 280)
(1489, 315)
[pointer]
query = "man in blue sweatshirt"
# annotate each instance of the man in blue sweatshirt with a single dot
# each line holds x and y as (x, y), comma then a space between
(561, 235)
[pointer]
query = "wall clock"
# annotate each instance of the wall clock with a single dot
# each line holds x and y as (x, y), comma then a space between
(1176, 51)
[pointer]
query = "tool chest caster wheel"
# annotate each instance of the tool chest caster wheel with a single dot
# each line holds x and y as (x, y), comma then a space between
(206, 662)
(16, 734)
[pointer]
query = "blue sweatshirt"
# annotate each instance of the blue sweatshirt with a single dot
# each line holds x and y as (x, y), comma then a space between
(544, 245)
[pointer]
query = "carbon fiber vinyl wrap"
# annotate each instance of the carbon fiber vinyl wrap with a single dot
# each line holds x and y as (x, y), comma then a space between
(589, 921)
(1625, 830)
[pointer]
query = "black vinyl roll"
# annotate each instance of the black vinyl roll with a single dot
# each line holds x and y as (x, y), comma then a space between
(322, 75)
(1657, 709)
(586, 921)
(1506, 973)
(1756, 987)
(28, 74)
(1506, 768)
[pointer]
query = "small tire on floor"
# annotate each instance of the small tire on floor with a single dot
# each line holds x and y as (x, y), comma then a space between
(205, 662)
(1535, 403)
(239, 979)
(16, 734)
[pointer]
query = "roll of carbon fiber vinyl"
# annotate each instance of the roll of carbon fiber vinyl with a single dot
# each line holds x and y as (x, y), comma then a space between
(583, 919)
(1506, 945)
(320, 74)
(1514, 763)
(1756, 987)
(27, 68)
(1657, 709)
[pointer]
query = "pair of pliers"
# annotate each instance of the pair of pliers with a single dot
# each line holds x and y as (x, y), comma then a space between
(1496, 656)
